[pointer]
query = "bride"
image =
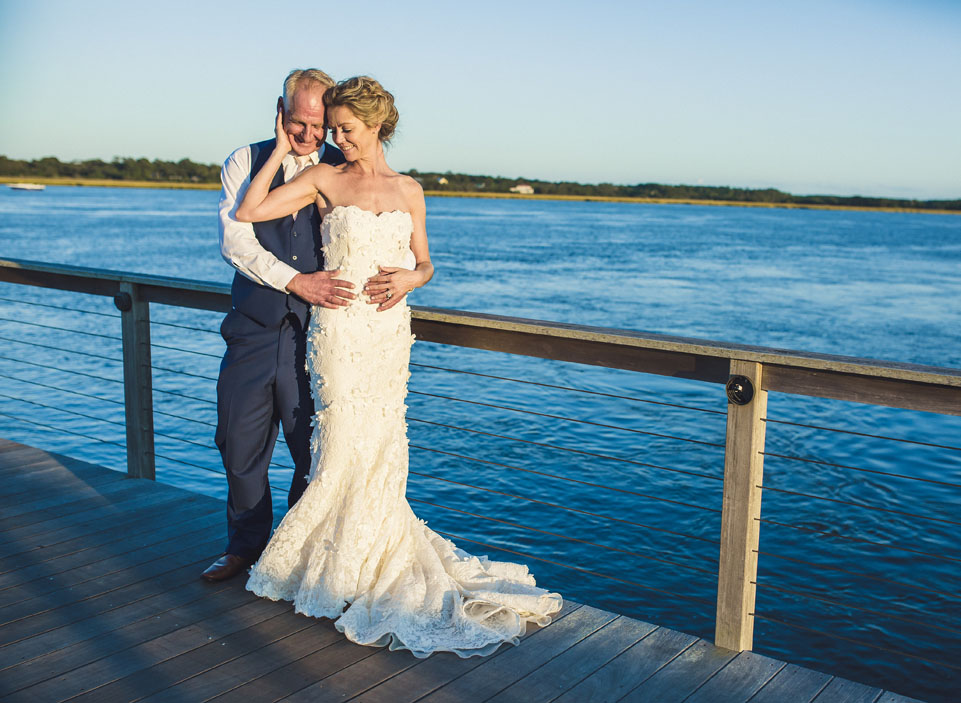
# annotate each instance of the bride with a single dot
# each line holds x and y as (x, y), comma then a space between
(351, 549)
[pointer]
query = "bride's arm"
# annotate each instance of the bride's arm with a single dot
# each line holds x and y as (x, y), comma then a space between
(260, 203)
(418, 240)
(400, 281)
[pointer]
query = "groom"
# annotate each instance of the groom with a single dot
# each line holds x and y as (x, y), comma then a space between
(263, 377)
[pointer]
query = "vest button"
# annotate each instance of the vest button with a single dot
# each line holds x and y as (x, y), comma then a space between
(295, 257)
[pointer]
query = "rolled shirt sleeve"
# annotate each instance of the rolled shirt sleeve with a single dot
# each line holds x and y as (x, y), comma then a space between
(238, 243)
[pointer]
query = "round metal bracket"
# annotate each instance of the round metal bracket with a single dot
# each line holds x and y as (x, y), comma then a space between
(740, 390)
(123, 301)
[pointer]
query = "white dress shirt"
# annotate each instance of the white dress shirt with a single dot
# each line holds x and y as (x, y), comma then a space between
(238, 243)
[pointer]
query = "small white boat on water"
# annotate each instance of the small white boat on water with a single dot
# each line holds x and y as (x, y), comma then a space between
(26, 186)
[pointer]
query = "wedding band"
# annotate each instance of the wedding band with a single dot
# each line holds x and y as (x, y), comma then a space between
(389, 295)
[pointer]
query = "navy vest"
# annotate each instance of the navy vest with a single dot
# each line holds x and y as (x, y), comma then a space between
(296, 242)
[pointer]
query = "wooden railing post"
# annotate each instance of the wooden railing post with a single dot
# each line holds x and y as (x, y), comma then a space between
(137, 381)
(741, 507)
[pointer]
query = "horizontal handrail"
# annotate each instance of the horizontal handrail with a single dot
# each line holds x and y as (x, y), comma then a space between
(895, 384)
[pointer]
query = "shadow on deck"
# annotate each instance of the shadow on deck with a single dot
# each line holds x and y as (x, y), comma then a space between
(101, 600)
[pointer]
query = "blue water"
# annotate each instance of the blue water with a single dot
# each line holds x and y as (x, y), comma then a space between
(629, 520)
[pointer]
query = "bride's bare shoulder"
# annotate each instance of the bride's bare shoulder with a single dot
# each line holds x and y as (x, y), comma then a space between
(410, 186)
(327, 170)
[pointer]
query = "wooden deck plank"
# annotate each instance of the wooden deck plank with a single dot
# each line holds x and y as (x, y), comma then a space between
(890, 697)
(101, 672)
(149, 527)
(100, 599)
(172, 671)
(496, 674)
(300, 674)
(568, 669)
(84, 495)
(744, 676)
(115, 583)
(438, 670)
(46, 476)
(682, 675)
(114, 555)
(50, 520)
(110, 494)
(844, 691)
(9, 444)
(792, 683)
(140, 559)
(149, 506)
(59, 616)
(362, 676)
(613, 680)
(15, 455)
(356, 678)
(22, 461)
(66, 649)
(82, 584)
(231, 675)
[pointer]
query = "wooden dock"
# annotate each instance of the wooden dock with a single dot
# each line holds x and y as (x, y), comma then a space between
(101, 600)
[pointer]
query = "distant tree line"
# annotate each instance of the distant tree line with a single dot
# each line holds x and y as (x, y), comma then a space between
(458, 182)
(187, 171)
(183, 171)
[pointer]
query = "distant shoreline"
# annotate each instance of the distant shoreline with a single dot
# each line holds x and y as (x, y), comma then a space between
(175, 185)
(683, 201)
(108, 183)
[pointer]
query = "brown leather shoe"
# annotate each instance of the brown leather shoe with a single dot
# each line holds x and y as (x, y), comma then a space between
(226, 567)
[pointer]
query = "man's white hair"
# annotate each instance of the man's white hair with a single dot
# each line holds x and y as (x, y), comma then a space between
(303, 77)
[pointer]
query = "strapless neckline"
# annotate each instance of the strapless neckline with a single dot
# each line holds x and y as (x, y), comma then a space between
(369, 212)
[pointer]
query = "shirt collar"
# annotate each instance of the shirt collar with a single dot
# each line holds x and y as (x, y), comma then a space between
(314, 156)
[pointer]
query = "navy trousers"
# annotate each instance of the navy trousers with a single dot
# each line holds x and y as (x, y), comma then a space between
(263, 382)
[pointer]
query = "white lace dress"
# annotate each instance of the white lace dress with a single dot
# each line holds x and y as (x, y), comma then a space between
(352, 549)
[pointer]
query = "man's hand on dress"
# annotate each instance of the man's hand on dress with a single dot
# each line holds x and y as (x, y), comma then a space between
(322, 288)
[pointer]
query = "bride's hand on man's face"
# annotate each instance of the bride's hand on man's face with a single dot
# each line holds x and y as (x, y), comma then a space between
(389, 287)
(283, 141)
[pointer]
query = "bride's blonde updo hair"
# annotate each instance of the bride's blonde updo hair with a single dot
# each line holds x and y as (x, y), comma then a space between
(368, 100)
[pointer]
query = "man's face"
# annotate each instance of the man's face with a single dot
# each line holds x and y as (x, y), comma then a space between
(304, 120)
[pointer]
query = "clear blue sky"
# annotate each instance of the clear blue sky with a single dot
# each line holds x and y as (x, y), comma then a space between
(846, 97)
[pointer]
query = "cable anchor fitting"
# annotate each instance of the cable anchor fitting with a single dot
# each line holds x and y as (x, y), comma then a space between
(123, 301)
(740, 390)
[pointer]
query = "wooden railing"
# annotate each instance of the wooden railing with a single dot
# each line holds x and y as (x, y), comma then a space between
(748, 373)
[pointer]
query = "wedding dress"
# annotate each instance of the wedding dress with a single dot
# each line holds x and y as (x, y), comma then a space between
(351, 549)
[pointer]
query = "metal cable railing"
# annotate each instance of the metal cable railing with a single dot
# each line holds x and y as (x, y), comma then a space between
(571, 450)
(860, 540)
(573, 567)
(858, 574)
(905, 609)
(599, 394)
(808, 460)
(855, 504)
(73, 331)
(579, 456)
(62, 430)
(611, 518)
(568, 479)
(550, 416)
(59, 308)
(839, 430)
(917, 621)
(85, 333)
(711, 572)
(861, 643)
